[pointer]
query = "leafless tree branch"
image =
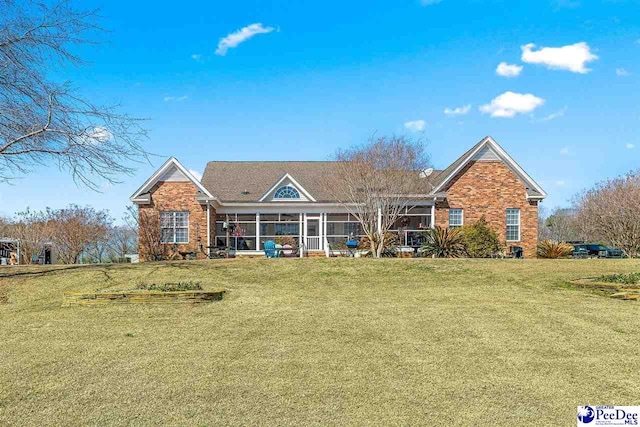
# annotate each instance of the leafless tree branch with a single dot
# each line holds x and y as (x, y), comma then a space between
(43, 121)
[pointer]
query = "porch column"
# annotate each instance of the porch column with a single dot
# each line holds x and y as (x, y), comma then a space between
(433, 214)
(257, 231)
(301, 223)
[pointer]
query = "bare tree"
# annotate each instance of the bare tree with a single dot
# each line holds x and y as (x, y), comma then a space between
(610, 212)
(377, 180)
(77, 228)
(561, 226)
(149, 234)
(43, 121)
(122, 241)
(33, 230)
(543, 231)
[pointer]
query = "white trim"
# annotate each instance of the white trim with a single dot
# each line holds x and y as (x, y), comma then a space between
(505, 157)
(172, 161)
(297, 185)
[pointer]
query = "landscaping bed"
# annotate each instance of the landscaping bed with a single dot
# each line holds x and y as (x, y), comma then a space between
(621, 286)
(167, 293)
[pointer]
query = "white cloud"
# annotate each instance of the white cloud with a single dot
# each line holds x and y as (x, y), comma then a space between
(555, 115)
(508, 70)
(415, 125)
(97, 135)
(571, 57)
(622, 72)
(509, 104)
(560, 183)
(429, 2)
(564, 150)
(234, 39)
(197, 175)
(629, 145)
(458, 111)
(175, 98)
(196, 56)
(100, 134)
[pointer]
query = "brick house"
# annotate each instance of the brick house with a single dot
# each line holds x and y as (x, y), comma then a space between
(242, 205)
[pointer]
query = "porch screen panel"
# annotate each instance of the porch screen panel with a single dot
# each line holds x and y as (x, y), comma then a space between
(340, 227)
(280, 228)
(242, 231)
(411, 224)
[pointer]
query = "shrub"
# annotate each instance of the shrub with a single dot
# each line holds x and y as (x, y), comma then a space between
(443, 243)
(627, 279)
(480, 240)
(552, 250)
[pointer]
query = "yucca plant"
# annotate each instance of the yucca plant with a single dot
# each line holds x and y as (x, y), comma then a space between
(552, 250)
(444, 243)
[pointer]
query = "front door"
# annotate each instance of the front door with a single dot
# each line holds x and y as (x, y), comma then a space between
(313, 234)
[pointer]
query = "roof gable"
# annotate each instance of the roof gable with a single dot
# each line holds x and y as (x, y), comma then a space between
(287, 181)
(171, 171)
(488, 150)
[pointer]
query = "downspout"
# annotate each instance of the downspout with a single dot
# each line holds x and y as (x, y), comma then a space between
(208, 230)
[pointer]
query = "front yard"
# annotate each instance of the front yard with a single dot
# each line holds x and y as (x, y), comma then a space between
(320, 342)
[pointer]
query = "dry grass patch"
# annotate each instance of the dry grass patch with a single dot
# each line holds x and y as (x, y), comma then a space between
(320, 342)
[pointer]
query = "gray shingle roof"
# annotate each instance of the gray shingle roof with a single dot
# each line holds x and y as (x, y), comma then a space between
(243, 181)
(231, 181)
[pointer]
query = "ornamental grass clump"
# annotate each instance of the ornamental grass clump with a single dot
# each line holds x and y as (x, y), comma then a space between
(444, 243)
(550, 249)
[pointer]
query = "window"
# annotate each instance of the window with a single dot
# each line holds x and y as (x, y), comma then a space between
(286, 192)
(456, 218)
(174, 227)
(513, 225)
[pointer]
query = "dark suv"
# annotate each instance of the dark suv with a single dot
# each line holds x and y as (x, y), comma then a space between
(599, 251)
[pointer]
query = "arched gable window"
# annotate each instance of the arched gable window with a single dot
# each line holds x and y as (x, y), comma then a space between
(286, 192)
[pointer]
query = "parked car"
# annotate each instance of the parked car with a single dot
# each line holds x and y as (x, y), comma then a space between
(589, 250)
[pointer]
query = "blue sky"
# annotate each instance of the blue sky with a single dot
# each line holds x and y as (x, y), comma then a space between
(323, 75)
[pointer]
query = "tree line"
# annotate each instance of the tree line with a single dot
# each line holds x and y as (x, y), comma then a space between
(608, 213)
(75, 234)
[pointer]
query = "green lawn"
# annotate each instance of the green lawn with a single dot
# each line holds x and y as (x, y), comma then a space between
(320, 342)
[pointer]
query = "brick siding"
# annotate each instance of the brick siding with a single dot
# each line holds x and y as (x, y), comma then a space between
(181, 196)
(489, 188)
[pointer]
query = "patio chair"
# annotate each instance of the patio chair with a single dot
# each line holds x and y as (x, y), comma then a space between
(270, 249)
